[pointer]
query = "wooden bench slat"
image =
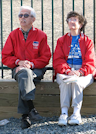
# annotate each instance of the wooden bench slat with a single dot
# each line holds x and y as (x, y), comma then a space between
(42, 88)
(43, 100)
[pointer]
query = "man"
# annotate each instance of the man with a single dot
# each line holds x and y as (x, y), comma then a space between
(74, 63)
(26, 51)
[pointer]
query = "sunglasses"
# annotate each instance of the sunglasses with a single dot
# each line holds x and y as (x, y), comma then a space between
(25, 15)
(74, 20)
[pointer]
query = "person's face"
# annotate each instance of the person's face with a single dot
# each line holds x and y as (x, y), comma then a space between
(73, 23)
(26, 22)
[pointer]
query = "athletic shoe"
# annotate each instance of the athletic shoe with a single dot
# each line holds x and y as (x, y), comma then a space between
(34, 115)
(25, 122)
(74, 119)
(63, 120)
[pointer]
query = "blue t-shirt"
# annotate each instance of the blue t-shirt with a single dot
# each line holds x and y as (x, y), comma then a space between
(75, 57)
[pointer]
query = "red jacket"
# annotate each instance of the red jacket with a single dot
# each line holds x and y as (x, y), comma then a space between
(35, 49)
(62, 51)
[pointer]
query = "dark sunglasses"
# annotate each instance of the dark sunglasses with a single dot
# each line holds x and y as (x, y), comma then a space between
(25, 15)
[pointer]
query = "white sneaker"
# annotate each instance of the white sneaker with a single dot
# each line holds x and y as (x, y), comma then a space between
(74, 119)
(63, 120)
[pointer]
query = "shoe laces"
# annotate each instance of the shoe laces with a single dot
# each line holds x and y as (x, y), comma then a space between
(35, 111)
(74, 116)
(63, 116)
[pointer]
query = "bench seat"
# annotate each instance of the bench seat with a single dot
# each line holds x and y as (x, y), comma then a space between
(46, 100)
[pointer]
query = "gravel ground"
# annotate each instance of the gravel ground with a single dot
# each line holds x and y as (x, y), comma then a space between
(50, 126)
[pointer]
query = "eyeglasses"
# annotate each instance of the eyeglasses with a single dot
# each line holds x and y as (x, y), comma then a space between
(74, 20)
(25, 15)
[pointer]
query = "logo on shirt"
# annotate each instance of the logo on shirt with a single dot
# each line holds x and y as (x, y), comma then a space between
(35, 44)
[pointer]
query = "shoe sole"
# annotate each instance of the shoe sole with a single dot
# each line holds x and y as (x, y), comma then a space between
(74, 123)
(62, 124)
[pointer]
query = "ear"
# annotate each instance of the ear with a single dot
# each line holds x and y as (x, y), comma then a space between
(80, 26)
(33, 19)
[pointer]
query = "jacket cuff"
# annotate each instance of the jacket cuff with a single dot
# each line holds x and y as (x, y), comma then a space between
(81, 73)
(16, 62)
(67, 71)
(32, 65)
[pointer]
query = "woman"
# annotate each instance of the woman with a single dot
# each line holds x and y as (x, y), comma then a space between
(74, 64)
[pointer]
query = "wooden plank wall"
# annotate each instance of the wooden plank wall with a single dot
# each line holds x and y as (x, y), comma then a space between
(46, 101)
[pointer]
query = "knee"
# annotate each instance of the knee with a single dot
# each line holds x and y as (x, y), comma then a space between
(58, 79)
(76, 87)
(24, 73)
(75, 84)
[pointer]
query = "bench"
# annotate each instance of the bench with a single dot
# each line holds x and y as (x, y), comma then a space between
(46, 101)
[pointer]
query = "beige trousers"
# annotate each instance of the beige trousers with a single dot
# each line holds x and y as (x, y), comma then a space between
(73, 91)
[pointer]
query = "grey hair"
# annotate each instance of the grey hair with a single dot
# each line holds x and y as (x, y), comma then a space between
(30, 9)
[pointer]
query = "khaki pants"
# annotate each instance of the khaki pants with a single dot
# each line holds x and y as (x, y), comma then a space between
(73, 90)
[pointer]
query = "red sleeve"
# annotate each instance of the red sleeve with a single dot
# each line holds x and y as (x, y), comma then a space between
(59, 61)
(88, 64)
(8, 57)
(44, 54)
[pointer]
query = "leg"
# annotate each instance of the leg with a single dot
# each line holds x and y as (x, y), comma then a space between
(26, 89)
(77, 97)
(65, 97)
(26, 94)
(77, 89)
(39, 74)
(65, 92)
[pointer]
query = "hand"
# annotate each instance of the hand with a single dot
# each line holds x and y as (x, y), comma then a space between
(75, 72)
(69, 72)
(19, 68)
(24, 63)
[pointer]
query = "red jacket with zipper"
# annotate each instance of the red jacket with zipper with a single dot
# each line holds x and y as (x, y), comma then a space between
(62, 51)
(35, 49)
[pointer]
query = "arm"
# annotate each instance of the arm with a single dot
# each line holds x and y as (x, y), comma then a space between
(88, 59)
(60, 59)
(8, 57)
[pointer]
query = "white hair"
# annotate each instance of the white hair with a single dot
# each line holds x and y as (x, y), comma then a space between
(30, 9)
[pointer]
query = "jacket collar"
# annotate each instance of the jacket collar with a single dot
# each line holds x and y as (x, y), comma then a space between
(32, 28)
(81, 34)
